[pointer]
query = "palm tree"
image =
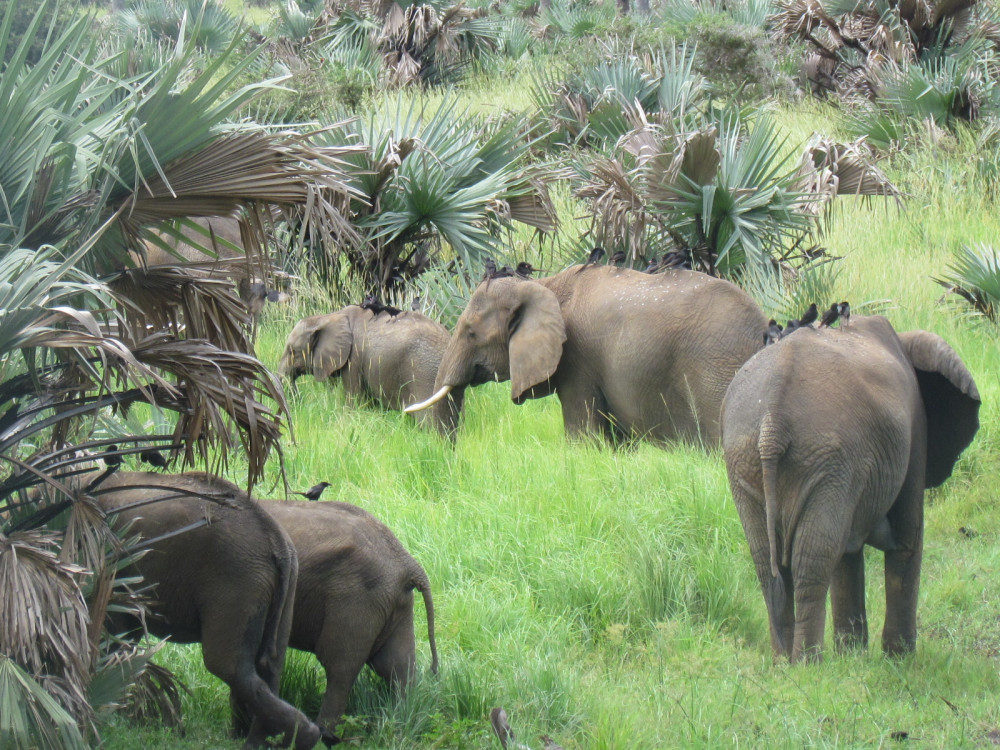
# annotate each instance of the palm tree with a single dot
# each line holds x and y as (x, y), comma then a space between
(96, 150)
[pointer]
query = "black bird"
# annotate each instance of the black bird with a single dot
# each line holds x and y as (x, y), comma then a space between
(415, 305)
(595, 255)
(653, 266)
(314, 492)
(112, 458)
(393, 311)
(525, 269)
(845, 313)
(810, 316)
(773, 332)
(154, 457)
(504, 272)
(548, 743)
(677, 259)
(491, 269)
(792, 326)
(371, 302)
(830, 316)
(618, 258)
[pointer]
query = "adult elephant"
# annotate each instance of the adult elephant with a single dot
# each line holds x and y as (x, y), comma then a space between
(629, 354)
(830, 437)
(391, 360)
(227, 583)
(354, 598)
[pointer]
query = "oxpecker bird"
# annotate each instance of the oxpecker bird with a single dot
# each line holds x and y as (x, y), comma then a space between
(314, 492)
(810, 316)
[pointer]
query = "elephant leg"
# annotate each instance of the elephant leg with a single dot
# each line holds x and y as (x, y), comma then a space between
(817, 549)
(847, 597)
(902, 569)
(343, 650)
(232, 658)
(750, 506)
(583, 410)
(396, 659)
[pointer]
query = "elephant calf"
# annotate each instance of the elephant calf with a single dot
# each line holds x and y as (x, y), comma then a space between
(354, 598)
(830, 437)
(392, 360)
(227, 584)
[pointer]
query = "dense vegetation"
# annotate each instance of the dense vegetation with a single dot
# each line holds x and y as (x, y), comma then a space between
(605, 598)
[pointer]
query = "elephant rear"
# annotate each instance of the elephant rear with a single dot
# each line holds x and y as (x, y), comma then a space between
(354, 600)
(224, 576)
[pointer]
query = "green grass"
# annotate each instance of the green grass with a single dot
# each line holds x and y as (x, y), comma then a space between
(608, 598)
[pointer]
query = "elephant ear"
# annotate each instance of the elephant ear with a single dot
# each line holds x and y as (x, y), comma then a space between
(331, 347)
(537, 333)
(951, 401)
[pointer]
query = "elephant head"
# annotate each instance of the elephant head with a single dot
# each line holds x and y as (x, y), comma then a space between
(319, 344)
(511, 330)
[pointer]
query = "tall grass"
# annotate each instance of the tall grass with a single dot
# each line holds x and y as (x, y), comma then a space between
(607, 598)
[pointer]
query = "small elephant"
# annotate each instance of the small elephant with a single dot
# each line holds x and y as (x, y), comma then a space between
(354, 598)
(228, 584)
(830, 437)
(392, 360)
(630, 355)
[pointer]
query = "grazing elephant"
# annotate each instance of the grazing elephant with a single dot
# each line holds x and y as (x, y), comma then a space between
(390, 360)
(228, 584)
(630, 355)
(354, 598)
(830, 437)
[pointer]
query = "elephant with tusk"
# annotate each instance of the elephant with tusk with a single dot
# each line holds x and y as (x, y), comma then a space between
(630, 355)
(389, 359)
(830, 437)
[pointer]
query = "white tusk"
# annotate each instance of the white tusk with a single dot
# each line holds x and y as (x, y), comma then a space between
(445, 390)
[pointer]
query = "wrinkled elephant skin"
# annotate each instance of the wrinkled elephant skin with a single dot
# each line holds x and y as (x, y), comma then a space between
(830, 437)
(392, 361)
(228, 584)
(354, 598)
(630, 355)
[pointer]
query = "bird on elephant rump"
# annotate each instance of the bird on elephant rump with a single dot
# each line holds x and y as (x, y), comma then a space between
(390, 359)
(353, 599)
(829, 440)
(629, 354)
(224, 575)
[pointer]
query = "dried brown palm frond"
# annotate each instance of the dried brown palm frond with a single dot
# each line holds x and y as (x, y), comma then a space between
(830, 169)
(217, 390)
(188, 301)
(619, 216)
(45, 622)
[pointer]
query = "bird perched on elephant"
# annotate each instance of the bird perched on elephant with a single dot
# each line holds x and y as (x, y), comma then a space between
(630, 355)
(354, 598)
(226, 243)
(224, 575)
(830, 440)
(391, 360)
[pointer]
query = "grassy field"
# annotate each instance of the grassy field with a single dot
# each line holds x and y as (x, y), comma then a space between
(608, 598)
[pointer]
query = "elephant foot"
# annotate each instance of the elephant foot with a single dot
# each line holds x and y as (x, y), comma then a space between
(329, 738)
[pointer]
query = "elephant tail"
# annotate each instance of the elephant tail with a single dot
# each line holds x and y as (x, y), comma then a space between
(422, 583)
(777, 591)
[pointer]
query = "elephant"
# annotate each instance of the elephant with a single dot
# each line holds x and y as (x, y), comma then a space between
(354, 598)
(630, 355)
(226, 241)
(392, 360)
(830, 437)
(228, 584)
